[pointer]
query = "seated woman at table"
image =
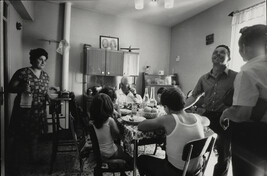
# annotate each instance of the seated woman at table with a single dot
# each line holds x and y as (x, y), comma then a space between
(180, 128)
(106, 128)
(112, 94)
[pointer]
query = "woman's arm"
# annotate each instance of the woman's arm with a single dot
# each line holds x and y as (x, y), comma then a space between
(16, 85)
(115, 132)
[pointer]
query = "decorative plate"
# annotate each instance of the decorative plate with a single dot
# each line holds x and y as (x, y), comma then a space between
(135, 120)
(125, 111)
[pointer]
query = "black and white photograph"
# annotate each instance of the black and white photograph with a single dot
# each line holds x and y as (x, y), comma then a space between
(133, 87)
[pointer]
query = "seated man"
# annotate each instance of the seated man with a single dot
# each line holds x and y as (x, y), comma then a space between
(126, 94)
(180, 128)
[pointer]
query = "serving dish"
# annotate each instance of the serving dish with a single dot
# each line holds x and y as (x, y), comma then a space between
(133, 120)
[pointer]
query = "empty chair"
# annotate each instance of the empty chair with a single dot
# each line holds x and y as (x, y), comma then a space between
(198, 148)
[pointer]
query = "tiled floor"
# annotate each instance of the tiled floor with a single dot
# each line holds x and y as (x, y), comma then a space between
(67, 164)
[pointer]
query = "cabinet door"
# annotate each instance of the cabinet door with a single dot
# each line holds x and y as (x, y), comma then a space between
(95, 61)
(131, 64)
(114, 63)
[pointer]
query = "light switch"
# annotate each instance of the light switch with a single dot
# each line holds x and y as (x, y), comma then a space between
(177, 58)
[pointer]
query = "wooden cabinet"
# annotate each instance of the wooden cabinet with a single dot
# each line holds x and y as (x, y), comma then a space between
(95, 61)
(158, 81)
(114, 63)
(111, 63)
(131, 64)
(104, 62)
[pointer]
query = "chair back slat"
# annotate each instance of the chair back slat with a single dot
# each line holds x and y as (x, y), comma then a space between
(188, 159)
(200, 146)
(95, 145)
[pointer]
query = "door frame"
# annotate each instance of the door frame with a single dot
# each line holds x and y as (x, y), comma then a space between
(2, 113)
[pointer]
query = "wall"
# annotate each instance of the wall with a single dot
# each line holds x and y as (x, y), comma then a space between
(188, 40)
(86, 27)
(14, 53)
(47, 25)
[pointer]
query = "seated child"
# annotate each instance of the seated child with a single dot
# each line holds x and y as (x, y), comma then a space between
(106, 128)
(180, 128)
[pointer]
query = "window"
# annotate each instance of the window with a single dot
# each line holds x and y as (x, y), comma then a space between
(248, 17)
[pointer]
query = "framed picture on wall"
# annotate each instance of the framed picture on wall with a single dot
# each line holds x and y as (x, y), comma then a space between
(107, 42)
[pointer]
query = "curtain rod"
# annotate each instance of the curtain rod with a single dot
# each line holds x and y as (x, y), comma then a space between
(237, 11)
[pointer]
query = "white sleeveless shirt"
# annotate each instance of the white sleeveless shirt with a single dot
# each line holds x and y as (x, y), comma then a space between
(105, 140)
(176, 140)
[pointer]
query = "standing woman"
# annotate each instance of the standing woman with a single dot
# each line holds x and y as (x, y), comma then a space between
(249, 111)
(27, 124)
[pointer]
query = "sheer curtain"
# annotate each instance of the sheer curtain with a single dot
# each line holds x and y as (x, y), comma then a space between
(247, 17)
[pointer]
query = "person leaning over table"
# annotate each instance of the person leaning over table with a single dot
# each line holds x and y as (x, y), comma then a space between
(180, 128)
(213, 88)
(126, 94)
(248, 112)
(27, 124)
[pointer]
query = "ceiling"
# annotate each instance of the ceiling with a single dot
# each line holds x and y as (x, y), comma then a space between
(158, 15)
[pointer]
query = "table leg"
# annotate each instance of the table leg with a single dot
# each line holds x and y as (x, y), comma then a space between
(135, 155)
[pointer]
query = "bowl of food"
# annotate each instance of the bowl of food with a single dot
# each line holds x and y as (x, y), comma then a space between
(149, 112)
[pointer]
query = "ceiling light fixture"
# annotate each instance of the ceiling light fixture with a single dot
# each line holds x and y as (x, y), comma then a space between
(139, 4)
(168, 4)
(154, 3)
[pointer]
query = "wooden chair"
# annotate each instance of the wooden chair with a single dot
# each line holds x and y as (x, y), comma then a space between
(64, 140)
(110, 165)
(198, 148)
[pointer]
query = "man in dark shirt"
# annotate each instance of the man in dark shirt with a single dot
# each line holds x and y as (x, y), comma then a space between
(213, 86)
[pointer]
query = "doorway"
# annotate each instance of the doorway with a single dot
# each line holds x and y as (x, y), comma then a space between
(3, 54)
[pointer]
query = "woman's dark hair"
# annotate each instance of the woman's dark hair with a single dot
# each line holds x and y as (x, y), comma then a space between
(160, 90)
(227, 48)
(251, 34)
(36, 53)
(110, 92)
(173, 98)
(101, 109)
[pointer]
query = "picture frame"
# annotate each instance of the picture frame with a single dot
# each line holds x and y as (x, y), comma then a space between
(107, 42)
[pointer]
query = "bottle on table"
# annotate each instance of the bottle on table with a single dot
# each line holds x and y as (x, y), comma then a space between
(152, 101)
(145, 98)
(26, 97)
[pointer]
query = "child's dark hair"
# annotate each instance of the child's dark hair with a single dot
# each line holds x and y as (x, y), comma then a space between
(101, 109)
(160, 90)
(110, 92)
(173, 98)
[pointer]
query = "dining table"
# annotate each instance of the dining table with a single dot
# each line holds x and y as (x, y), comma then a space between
(131, 135)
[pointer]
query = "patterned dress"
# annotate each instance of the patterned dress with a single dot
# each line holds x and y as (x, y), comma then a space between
(30, 122)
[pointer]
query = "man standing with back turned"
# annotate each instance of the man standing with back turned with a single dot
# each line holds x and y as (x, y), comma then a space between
(213, 86)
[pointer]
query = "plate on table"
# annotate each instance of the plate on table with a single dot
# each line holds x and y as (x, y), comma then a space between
(134, 120)
(125, 111)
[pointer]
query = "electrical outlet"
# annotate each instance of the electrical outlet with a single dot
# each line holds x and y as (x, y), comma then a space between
(177, 58)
